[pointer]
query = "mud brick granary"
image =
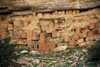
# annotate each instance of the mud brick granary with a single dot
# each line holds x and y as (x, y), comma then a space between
(43, 25)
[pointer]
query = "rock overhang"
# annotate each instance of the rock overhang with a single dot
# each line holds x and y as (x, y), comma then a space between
(47, 5)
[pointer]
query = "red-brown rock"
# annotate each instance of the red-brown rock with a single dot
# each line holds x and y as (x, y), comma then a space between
(76, 36)
(26, 23)
(43, 46)
(52, 46)
(78, 30)
(10, 27)
(0, 18)
(23, 35)
(56, 22)
(92, 25)
(99, 29)
(84, 34)
(41, 42)
(17, 24)
(42, 36)
(54, 33)
(34, 14)
(66, 38)
(29, 35)
(51, 26)
(34, 36)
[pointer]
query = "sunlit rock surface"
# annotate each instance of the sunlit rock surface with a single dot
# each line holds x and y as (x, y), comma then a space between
(46, 5)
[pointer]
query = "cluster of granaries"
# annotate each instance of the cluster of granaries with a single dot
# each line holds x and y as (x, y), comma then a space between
(74, 12)
(26, 23)
(43, 46)
(68, 41)
(78, 38)
(34, 14)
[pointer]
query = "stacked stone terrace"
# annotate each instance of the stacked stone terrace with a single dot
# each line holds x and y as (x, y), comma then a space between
(46, 31)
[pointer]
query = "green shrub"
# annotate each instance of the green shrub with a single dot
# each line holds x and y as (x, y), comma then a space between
(7, 52)
(94, 50)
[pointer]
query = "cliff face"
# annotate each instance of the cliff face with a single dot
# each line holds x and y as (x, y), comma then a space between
(46, 5)
(43, 25)
(46, 31)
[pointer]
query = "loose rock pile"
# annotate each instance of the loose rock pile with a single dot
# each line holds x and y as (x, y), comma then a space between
(73, 57)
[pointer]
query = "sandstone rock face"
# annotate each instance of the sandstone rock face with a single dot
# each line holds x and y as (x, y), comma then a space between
(47, 5)
(44, 31)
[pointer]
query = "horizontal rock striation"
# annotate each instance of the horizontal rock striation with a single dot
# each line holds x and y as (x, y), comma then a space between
(46, 5)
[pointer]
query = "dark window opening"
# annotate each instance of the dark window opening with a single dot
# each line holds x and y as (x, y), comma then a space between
(33, 46)
(76, 45)
(23, 38)
(94, 39)
(26, 44)
(36, 14)
(11, 22)
(42, 31)
(74, 30)
(82, 29)
(37, 46)
(63, 41)
(57, 29)
(56, 45)
(84, 39)
(75, 40)
(48, 34)
(90, 29)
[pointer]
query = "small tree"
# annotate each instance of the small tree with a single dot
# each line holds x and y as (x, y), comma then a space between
(6, 52)
(94, 50)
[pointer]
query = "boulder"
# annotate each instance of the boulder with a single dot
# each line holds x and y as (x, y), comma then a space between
(27, 64)
(82, 44)
(27, 59)
(61, 48)
(33, 53)
(35, 61)
(40, 65)
(82, 58)
(74, 64)
(24, 51)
